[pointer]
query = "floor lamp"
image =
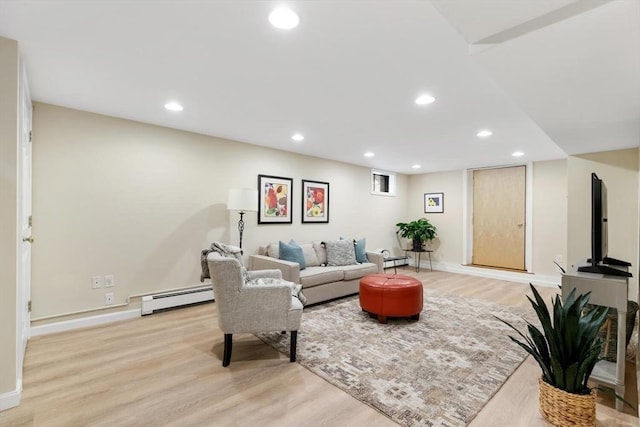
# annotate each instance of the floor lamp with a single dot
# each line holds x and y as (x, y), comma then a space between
(242, 200)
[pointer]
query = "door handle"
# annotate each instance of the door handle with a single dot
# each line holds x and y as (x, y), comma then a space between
(28, 239)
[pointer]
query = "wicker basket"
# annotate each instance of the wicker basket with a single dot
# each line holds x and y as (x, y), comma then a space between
(567, 409)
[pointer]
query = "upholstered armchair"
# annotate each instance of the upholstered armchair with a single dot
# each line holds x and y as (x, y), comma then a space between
(247, 304)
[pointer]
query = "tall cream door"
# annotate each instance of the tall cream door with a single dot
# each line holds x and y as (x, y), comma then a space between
(499, 217)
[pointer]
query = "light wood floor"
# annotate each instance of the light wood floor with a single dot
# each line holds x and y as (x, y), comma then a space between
(165, 369)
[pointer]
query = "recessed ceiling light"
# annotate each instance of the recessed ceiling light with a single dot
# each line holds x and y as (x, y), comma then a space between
(297, 137)
(369, 154)
(484, 133)
(284, 18)
(518, 154)
(425, 99)
(416, 166)
(173, 106)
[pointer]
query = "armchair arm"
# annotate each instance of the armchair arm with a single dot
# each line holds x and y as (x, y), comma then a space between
(290, 270)
(265, 274)
(377, 259)
(266, 298)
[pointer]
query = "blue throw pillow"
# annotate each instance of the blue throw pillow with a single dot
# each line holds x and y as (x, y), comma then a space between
(361, 251)
(292, 252)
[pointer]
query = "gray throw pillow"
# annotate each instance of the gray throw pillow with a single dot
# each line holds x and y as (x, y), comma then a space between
(340, 252)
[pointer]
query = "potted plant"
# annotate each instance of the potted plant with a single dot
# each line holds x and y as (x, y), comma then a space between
(419, 231)
(567, 349)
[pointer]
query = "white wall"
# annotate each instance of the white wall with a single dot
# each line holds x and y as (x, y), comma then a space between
(561, 210)
(619, 171)
(112, 196)
(138, 201)
(549, 216)
(448, 243)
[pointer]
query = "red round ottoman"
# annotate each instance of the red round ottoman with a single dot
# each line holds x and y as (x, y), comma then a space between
(391, 295)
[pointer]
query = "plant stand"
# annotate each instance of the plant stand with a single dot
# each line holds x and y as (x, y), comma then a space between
(564, 409)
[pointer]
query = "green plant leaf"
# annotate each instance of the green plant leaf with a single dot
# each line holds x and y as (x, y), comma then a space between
(546, 373)
(612, 393)
(545, 320)
(530, 348)
(557, 374)
(421, 229)
(570, 375)
(566, 346)
(590, 360)
(544, 358)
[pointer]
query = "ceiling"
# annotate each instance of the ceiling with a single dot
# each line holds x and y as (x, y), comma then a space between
(548, 77)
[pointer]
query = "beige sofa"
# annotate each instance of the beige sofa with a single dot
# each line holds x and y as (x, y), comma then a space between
(319, 282)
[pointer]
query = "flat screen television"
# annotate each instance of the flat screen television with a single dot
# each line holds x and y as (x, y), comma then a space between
(599, 261)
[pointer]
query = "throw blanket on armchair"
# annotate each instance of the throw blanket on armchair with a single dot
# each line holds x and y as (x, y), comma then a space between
(224, 250)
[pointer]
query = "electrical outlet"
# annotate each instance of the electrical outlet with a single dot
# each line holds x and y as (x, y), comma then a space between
(108, 298)
(109, 281)
(97, 282)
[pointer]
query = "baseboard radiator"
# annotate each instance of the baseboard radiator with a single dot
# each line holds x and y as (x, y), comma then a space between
(169, 300)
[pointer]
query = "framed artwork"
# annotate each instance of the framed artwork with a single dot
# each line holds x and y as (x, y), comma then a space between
(274, 204)
(433, 202)
(315, 202)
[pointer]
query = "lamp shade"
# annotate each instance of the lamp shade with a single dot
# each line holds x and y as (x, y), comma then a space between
(243, 200)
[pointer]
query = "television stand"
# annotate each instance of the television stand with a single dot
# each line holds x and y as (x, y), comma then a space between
(604, 269)
(618, 262)
(613, 261)
(608, 292)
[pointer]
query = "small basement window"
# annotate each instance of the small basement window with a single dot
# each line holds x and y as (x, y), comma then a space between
(383, 183)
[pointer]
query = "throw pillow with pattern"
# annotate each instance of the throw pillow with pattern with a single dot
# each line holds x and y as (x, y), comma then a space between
(340, 252)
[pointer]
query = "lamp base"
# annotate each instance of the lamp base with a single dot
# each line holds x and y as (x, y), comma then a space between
(241, 230)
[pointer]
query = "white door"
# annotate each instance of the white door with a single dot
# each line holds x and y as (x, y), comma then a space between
(24, 218)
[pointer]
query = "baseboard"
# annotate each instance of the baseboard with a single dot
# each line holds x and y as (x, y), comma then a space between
(84, 322)
(511, 276)
(11, 399)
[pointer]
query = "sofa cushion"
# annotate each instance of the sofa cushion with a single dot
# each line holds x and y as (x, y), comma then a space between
(352, 272)
(340, 253)
(292, 252)
(314, 276)
(310, 256)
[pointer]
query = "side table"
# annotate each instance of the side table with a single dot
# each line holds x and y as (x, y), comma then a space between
(419, 253)
(395, 259)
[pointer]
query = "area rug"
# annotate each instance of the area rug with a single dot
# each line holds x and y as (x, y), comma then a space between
(438, 371)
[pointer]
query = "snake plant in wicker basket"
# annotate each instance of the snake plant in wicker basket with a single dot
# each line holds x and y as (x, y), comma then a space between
(567, 348)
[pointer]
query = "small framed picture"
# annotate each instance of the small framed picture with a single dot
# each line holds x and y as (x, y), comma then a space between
(433, 202)
(315, 202)
(274, 206)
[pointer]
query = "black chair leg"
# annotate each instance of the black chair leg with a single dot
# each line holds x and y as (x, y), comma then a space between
(228, 344)
(294, 342)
